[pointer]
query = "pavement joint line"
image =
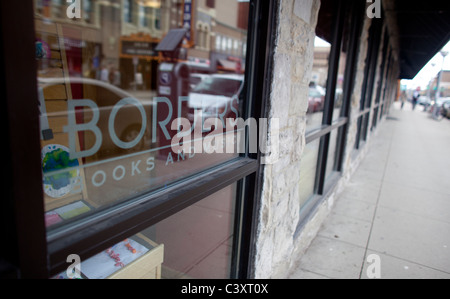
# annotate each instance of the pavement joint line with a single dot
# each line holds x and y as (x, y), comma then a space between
(315, 273)
(351, 217)
(409, 261)
(377, 202)
(420, 188)
(341, 241)
(414, 214)
(337, 241)
(412, 185)
(385, 145)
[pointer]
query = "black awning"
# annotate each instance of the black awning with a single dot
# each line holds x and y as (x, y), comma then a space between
(424, 28)
(172, 40)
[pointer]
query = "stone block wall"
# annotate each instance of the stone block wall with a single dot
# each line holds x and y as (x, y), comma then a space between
(279, 241)
(280, 204)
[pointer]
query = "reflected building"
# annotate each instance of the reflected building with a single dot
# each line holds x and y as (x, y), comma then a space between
(444, 85)
(230, 34)
(217, 40)
(320, 65)
(119, 37)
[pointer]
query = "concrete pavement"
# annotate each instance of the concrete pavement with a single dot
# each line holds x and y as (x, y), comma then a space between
(396, 206)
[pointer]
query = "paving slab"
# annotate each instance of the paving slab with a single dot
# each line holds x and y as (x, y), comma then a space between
(346, 229)
(395, 268)
(333, 259)
(416, 200)
(396, 206)
(411, 237)
(354, 208)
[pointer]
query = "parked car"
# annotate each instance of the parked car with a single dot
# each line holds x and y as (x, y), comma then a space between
(216, 96)
(439, 103)
(316, 98)
(446, 108)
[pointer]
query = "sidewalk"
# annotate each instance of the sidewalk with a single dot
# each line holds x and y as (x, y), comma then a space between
(396, 206)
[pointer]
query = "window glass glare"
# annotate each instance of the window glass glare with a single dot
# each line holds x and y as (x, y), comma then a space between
(308, 171)
(339, 93)
(331, 160)
(117, 80)
(316, 95)
(195, 243)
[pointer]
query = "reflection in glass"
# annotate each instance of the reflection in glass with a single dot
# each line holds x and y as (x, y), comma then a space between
(319, 79)
(112, 82)
(308, 171)
(331, 153)
(338, 98)
(316, 96)
(195, 243)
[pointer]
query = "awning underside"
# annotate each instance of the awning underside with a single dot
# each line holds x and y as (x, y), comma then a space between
(424, 28)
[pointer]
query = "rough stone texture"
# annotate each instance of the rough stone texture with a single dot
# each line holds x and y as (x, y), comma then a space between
(279, 241)
(279, 214)
(301, 10)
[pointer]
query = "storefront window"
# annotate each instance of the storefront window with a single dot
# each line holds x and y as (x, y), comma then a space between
(320, 72)
(328, 101)
(370, 71)
(317, 90)
(308, 171)
(132, 136)
(112, 100)
(195, 243)
(317, 107)
(338, 98)
(331, 160)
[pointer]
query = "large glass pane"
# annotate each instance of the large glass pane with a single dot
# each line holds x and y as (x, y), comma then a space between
(339, 95)
(316, 96)
(320, 71)
(308, 168)
(118, 79)
(331, 160)
(194, 243)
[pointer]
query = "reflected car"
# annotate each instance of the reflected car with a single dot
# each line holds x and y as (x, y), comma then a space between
(316, 98)
(195, 79)
(128, 119)
(216, 96)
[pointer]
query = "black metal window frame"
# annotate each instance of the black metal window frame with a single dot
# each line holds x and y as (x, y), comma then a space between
(370, 72)
(388, 76)
(383, 76)
(33, 253)
(389, 86)
(344, 10)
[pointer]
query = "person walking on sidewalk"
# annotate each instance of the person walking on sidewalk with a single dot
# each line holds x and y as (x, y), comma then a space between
(415, 98)
(403, 99)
